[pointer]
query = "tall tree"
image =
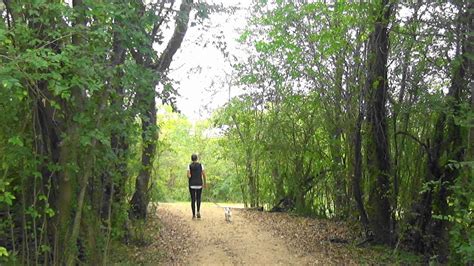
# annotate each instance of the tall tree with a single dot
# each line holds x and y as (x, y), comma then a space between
(69, 75)
(140, 198)
(378, 153)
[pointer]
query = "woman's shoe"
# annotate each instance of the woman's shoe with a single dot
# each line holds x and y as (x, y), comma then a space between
(199, 215)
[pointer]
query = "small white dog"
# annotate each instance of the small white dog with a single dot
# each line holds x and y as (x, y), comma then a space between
(228, 214)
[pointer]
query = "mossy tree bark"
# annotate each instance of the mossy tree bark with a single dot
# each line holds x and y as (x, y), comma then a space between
(378, 154)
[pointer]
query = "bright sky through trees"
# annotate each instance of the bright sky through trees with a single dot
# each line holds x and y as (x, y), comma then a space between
(200, 67)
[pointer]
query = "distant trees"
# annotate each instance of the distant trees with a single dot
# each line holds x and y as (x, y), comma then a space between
(179, 138)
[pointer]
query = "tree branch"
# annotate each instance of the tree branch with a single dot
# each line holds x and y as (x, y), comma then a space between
(424, 145)
(174, 43)
(160, 22)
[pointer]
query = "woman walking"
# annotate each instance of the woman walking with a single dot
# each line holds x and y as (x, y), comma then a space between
(196, 175)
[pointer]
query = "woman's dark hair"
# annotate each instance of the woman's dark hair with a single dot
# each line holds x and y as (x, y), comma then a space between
(194, 157)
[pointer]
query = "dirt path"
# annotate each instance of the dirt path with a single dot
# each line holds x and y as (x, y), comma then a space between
(171, 237)
(214, 241)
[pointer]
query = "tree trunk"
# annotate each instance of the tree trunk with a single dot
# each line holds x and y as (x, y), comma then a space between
(140, 199)
(340, 202)
(139, 202)
(278, 181)
(428, 235)
(251, 181)
(116, 141)
(357, 139)
(378, 154)
(299, 190)
(69, 159)
(454, 140)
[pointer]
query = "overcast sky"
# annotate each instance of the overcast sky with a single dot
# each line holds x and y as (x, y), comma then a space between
(199, 64)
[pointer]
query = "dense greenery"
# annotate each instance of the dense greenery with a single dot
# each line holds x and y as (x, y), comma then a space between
(78, 122)
(361, 111)
(353, 111)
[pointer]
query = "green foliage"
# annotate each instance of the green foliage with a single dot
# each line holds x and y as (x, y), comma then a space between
(179, 138)
(462, 215)
(3, 252)
(6, 257)
(70, 141)
(292, 133)
(72, 115)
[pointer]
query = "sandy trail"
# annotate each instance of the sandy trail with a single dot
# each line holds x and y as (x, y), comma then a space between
(216, 242)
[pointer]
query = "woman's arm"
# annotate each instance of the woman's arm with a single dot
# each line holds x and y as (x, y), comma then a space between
(203, 173)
